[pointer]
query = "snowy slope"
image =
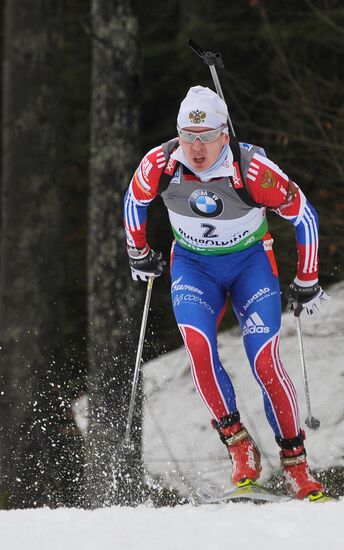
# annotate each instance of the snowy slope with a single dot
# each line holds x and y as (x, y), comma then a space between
(180, 446)
(296, 525)
(178, 440)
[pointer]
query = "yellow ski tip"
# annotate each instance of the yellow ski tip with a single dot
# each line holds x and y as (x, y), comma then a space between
(319, 496)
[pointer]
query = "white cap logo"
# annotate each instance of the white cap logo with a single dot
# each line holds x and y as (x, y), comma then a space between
(197, 117)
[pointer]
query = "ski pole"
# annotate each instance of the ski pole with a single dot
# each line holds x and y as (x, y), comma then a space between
(312, 422)
(138, 360)
(213, 60)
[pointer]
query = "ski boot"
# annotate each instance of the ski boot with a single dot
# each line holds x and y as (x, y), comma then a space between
(296, 475)
(242, 450)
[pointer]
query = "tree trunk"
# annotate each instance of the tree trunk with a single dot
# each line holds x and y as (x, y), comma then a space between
(112, 297)
(36, 427)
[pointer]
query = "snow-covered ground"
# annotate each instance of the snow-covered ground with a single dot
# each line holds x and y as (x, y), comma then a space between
(180, 447)
(293, 525)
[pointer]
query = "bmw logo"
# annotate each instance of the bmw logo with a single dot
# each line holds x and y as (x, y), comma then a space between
(206, 204)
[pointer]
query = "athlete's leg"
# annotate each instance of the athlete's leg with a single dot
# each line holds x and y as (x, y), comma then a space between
(256, 301)
(198, 301)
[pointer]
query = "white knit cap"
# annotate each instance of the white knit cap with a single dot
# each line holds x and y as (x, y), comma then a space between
(202, 107)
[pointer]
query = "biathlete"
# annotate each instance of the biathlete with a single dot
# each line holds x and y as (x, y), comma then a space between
(217, 192)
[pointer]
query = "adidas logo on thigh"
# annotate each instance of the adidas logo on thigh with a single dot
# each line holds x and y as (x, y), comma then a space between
(255, 325)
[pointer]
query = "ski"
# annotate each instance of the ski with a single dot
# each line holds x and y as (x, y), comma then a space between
(248, 491)
(251, 491)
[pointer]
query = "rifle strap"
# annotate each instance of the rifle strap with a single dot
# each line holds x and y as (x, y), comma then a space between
(237, 180)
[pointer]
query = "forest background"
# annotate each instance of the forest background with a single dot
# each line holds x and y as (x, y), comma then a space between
(87, 87)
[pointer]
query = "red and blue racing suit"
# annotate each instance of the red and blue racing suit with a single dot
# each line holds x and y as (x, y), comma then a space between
(222, 250)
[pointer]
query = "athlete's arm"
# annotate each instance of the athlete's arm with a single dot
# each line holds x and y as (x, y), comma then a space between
(271, 187)
(142, 190)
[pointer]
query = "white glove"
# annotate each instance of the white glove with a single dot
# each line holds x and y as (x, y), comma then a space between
(307, 298)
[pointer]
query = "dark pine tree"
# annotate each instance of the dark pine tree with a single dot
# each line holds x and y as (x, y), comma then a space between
(37, 431)
(112, 477)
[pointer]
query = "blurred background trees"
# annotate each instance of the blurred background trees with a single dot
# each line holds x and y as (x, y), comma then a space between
(112, 300)
(39, 440)
(88, 86)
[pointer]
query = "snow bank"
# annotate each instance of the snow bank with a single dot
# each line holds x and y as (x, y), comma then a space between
(296, 525)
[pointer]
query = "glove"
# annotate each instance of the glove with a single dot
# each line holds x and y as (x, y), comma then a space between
(304, 298)
(145, 263)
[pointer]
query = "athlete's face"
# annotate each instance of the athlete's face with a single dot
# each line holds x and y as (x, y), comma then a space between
(202, 155)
